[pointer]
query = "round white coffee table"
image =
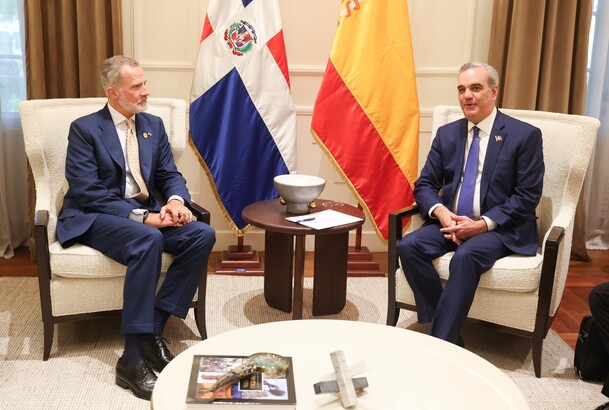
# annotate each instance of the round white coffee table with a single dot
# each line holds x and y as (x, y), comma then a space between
(405, 369)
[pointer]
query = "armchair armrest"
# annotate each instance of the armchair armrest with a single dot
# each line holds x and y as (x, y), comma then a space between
(201, 213)
(396, 222)
(41, 240)
(548, 273)
(43, 262)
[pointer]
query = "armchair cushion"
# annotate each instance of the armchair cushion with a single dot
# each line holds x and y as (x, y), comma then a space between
(80, 261)
(514, 273)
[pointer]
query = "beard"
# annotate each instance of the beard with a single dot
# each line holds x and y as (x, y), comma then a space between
(133, 108)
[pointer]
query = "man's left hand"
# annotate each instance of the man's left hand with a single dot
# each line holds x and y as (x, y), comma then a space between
(179, 213)
(465, 227)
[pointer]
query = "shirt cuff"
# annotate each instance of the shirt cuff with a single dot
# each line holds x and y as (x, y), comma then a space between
(490, 224)
(178, 197)
(433, 208)
(138, 215)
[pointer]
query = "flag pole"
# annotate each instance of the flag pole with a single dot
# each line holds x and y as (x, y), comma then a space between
(239, 259)
(360, 261)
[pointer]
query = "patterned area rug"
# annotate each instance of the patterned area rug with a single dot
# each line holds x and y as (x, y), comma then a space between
(80, 371)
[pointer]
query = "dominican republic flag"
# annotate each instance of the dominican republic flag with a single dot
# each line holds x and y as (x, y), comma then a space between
(242, 118)
(366, 115)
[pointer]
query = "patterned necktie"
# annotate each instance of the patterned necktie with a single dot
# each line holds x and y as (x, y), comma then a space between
(133, 157)
(466, 197)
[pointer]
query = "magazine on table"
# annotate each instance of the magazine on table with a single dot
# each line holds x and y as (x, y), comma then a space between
(259, 390)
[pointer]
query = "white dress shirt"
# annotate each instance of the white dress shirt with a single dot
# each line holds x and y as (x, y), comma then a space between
(485, 126)
(120, 122)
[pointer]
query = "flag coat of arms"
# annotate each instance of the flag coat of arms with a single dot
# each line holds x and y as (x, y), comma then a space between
(366, 115)
(242, 118)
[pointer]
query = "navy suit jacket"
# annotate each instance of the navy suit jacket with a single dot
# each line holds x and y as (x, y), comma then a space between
(95, 170)
(512, 178)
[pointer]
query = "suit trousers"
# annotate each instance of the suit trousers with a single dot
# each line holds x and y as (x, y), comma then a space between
(599, 307)
(446, 307)
(139, 247)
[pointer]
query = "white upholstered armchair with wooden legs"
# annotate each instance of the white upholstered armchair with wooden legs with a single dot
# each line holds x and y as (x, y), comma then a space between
(79, 282)
(520, 294)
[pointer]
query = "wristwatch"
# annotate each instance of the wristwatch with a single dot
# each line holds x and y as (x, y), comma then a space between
(138, 215)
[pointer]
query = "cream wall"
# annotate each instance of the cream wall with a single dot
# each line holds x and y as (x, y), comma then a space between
(164, 37)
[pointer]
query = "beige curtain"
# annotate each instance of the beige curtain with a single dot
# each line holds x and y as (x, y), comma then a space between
(65, 43)
(540, 49)
(14, 221)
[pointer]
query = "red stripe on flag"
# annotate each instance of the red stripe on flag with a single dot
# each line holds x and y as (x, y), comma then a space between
(359, 150)
(207, 29)
(276, 46)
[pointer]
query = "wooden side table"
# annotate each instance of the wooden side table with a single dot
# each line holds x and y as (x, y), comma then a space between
(330, 261)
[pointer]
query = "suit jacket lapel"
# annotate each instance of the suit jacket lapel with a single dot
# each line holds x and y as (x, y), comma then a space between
(109, 138)
(461, 142)
(495, 143)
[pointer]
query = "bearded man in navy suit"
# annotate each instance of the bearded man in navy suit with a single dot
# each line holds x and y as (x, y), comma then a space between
(498, 202)
(111, 205)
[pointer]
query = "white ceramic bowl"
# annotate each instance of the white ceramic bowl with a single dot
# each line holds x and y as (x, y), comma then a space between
(299, 191)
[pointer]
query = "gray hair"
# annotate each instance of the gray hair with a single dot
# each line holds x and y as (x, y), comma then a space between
(493, 76)
(111, 70)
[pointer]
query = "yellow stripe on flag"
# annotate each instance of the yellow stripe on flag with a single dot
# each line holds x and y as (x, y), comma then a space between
(366, 115)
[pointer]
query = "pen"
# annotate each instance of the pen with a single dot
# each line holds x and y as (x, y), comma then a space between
(306, 220)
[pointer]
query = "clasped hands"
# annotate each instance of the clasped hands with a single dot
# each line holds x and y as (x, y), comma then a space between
(458, 228)
(173, 214)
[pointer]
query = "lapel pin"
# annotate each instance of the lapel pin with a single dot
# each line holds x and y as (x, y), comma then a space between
(146, 135)
(498, 138)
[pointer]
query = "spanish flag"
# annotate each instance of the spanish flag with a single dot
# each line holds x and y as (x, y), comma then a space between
(366, 115)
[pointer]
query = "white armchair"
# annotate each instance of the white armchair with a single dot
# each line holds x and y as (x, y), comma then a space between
(519, 294)
(79, 282)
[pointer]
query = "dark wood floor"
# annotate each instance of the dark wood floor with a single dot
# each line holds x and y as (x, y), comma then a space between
(583, 276)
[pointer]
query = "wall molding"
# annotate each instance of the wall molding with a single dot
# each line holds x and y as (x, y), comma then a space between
(307, 70)
(437, 71)
(299, 70)
(171, 67)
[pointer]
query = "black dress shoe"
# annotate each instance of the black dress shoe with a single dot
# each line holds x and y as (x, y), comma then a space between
(140, 379)
(156, 353)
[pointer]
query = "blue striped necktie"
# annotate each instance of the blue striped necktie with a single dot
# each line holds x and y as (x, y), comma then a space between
(466, 197)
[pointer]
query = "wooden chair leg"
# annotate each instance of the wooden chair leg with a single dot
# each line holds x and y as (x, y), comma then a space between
(48, 328)
(200, 307)
(537, 349)
(393, 313)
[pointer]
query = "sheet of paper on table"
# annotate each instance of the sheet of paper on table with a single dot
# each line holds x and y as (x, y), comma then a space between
(324, 219)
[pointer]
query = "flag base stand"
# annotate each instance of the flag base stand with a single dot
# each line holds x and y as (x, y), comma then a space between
(239, 260)
(360, 261)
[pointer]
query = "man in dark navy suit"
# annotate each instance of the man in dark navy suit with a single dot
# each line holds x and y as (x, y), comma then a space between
(478, 191)
(118, 162)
